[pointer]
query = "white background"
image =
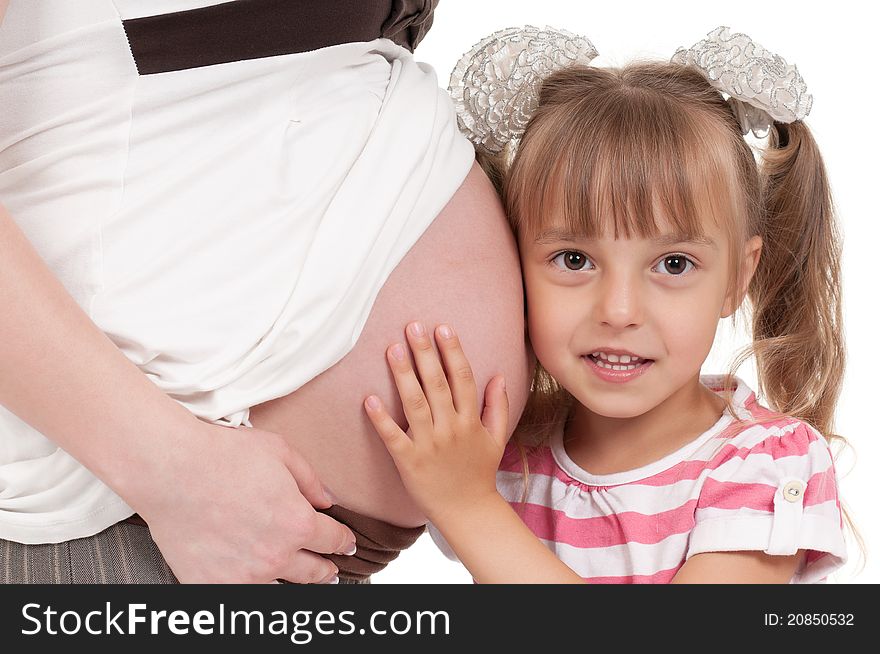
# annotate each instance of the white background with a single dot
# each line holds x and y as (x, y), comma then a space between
(829, 44)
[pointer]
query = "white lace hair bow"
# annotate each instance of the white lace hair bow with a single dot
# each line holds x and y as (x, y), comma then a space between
(495, 85)
(761, 86)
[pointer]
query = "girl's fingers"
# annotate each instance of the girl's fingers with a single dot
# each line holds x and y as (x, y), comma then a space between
(395, 439)
(415, 404)
(434, 383)
(496, 412)
(460, 374)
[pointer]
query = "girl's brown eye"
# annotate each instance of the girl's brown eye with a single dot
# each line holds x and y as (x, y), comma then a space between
(676, 264)
(574, 260)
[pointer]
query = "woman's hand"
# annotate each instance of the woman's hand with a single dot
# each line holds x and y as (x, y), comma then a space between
(236, 506)
(451, 459)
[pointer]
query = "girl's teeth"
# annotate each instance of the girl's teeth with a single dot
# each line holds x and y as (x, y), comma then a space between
(605, 364)
(614, 358)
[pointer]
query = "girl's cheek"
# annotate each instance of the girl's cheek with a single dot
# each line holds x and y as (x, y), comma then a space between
(695, 336)
(688, 320)
(547, 336)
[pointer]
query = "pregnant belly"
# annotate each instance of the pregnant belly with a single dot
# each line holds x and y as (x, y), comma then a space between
(350, 461)
(472, 282)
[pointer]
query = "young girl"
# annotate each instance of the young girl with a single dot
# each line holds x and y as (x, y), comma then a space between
(643, 219)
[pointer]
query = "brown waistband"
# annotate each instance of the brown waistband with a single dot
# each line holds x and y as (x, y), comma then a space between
(253, 29)
(378, 543)
(136, 520)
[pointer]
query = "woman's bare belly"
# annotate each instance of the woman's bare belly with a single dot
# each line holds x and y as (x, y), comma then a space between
(464, 271)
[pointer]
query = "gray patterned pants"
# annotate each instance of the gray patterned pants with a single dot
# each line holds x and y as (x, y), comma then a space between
(122, 554)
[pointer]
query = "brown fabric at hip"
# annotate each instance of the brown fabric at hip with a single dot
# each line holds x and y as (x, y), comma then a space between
(378, 543)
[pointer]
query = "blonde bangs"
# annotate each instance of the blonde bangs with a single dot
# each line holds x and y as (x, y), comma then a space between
(627, 162)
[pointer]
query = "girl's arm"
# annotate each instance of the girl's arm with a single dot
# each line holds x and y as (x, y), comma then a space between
(449, 463)
(222, 504)
(738, 568)
(497, 548)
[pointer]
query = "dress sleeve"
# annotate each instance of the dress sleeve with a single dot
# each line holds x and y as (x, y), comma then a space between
(775, 491)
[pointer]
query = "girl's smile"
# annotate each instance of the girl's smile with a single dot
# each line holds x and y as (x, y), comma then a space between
(616, 366)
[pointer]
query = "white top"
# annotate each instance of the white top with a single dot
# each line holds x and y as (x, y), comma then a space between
(228, 227)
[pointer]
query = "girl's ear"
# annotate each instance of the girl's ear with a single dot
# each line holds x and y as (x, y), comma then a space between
(751, 255)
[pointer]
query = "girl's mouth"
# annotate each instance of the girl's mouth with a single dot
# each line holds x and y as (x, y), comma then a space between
(617, 368)
(617, 361)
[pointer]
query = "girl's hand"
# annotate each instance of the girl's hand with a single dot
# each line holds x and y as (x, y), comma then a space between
(451, 459)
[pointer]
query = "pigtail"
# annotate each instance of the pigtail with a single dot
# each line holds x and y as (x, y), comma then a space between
(795, 292)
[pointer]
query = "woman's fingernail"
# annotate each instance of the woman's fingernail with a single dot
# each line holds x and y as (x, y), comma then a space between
(373, 402)
(445, 331)
(397, 351)
(417, 329)
(335, 580)
(350, 549)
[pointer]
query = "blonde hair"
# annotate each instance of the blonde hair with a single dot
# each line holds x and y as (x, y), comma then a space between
(608, 147)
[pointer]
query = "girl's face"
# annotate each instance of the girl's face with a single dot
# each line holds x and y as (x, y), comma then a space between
(623, 324)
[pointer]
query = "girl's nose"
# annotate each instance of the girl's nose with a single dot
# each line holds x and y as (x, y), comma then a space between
(619, 303)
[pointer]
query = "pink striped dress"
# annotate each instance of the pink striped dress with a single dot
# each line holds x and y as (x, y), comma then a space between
(761, 487)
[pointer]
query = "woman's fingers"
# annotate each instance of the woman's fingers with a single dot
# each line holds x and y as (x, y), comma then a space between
(309, 568)
(306, 479)
(459, 373)
(329, 536)
(434, 383)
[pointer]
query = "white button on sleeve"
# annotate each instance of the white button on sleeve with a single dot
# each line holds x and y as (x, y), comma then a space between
(793, 491)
